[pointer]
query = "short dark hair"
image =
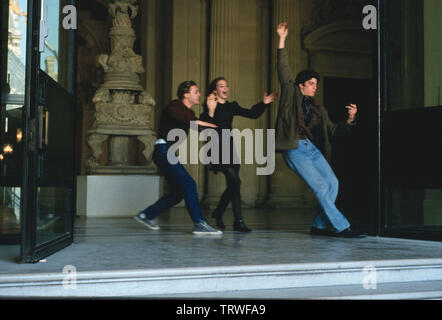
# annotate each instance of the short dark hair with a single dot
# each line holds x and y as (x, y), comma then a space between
(184, 88)
(306, 75)
(212, 85)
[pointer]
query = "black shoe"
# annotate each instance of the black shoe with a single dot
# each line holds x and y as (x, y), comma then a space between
(239, 225)
(348, 233)
(320, 232)
(219, 221)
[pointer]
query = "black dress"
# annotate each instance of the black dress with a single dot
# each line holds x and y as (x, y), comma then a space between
(223, 118)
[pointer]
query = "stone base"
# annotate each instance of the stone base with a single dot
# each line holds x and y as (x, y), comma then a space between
(116, 196)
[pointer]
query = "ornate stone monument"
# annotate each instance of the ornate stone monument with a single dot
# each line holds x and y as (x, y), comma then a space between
(123, 108)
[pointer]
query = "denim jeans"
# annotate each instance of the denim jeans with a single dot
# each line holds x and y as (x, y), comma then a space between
(313, 168)
(181, 185)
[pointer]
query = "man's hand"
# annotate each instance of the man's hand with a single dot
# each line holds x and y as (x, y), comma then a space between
(211, 104)
(268, 98)
(206, 124)
(283, 32)
(352, 110)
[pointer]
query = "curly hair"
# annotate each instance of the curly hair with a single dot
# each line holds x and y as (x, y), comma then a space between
(306, 75)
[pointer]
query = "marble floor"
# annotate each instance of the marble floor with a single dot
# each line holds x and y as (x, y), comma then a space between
(279, 237)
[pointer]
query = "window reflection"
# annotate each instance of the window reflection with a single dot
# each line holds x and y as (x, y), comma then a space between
(15, 77)
(53, 205)
(11, 146)
(49, 58)
(416, 207)
(416, 49)
(9, 210)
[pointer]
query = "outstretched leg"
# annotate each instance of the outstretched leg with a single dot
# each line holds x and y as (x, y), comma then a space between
(309, 163)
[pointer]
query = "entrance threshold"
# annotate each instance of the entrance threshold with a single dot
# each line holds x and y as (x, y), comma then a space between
(122, 258)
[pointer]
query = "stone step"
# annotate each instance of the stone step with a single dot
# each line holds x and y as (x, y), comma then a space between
(189, 281)
(383, 291)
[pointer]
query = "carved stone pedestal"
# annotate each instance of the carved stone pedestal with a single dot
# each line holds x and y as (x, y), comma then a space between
(122, 108)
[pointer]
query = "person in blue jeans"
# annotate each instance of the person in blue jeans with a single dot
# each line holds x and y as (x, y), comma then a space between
(177, 115)
(302, 134)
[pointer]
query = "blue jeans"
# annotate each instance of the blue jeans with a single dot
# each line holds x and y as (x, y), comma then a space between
(313, 168)
(181, 184)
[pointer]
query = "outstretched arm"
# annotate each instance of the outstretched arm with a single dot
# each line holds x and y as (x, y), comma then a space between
(205, 124)
(257, 110)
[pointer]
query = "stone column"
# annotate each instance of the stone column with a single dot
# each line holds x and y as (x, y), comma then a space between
(223, 57)
(286, 189)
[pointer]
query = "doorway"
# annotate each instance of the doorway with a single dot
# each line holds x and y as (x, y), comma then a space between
(354, 156)
(37, 131)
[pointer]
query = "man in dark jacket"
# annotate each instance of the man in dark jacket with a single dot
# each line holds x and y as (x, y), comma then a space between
(177, 115)
(302, 134)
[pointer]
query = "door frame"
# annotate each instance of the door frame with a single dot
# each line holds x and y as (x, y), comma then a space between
(30, 252)
(386, 119)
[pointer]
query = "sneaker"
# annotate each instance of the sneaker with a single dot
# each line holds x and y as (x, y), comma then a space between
(142, 218)
(202, 228)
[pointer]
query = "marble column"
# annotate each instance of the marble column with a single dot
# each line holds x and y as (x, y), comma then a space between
(286, 189)
(224, 57)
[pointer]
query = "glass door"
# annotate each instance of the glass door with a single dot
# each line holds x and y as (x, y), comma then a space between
(48, 182)
(13, 39)
(411, 163)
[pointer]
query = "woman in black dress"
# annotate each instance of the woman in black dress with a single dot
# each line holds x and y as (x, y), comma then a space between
(219, 111)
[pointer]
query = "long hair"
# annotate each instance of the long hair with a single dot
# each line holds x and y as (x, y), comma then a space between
(212, 85)
(210, 88)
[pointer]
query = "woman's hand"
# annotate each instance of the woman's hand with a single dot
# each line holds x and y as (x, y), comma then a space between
(269, 98)
(211, 104)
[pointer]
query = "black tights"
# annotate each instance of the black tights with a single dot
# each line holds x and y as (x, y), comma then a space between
(232, 193)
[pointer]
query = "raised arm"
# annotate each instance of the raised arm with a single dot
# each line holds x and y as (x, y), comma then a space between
(283, 32)
(283, 66)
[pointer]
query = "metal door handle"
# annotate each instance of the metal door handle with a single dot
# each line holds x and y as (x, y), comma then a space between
(43, 119)
(46, 137)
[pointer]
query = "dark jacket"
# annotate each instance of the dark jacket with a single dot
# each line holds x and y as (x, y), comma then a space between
(175, 116)
(286, 127)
